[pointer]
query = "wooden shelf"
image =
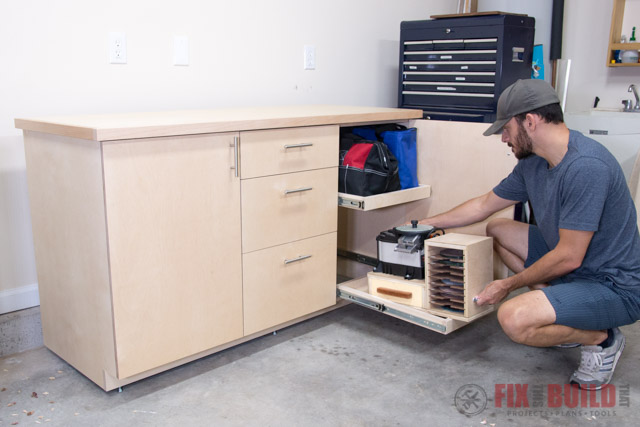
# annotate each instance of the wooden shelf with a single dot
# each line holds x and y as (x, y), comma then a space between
(615, 34)
(378, 201)
(620, 64)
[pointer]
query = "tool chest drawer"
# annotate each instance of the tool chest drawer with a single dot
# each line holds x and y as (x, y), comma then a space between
(288, 281)
(277, 151)
(479, 56)
(282, 208)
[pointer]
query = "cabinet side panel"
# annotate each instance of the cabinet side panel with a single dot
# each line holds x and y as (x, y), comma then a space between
(173, 209)
(67, 212)
(478, 272)
(460, 163)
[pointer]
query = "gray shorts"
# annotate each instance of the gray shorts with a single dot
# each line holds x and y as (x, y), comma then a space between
(584, 304)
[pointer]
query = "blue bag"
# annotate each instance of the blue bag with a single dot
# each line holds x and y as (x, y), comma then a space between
(402, 144)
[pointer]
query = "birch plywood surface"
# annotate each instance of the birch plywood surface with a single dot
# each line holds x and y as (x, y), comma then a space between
(70, 240)
(173, 209)
(278, 288)
(108, 127)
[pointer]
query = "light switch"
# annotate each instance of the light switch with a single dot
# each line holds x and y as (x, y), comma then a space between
(309, 57)
(180, 50)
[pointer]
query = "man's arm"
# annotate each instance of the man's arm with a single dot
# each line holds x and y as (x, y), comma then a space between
(561, 260)
(470, 212)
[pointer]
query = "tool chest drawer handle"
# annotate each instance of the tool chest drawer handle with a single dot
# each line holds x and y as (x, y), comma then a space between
(300, 258)
(307, 144)
(298, 190)
(394, 293)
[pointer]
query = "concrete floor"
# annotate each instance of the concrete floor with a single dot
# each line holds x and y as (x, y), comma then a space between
(350, 367)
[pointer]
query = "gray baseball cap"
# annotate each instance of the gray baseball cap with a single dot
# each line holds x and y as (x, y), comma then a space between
(521, 97)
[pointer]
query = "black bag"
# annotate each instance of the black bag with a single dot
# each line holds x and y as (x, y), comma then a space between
(402, 142)
(366, 167)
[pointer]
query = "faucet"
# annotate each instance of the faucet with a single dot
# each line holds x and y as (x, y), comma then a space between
(632, 88)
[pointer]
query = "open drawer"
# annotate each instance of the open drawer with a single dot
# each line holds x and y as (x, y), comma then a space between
(367, 203)
(356, 291)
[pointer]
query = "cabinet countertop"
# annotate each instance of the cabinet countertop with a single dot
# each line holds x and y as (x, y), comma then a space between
(109, 127)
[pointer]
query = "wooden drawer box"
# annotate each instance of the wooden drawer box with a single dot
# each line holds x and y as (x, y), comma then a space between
(288, 281)
(270, 152)
(282, 208)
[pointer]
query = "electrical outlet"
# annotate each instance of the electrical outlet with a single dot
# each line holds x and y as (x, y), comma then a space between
(309, 57)
(117, 48)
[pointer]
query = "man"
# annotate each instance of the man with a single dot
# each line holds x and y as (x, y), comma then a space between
(582, 259)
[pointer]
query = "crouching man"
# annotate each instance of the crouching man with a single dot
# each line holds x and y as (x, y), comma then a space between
(582, 258)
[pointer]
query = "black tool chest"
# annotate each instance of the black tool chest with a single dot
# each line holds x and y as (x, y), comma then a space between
(456, 68)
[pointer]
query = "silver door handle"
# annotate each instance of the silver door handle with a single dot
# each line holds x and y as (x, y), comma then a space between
(298, 190)
(300, 258)
(307, 144)
(235, 155)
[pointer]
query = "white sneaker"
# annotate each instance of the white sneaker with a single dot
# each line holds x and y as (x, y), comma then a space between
(597, 364)
(568, 345)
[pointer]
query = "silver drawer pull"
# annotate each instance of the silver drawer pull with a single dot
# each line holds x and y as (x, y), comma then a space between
(235, 155)
(298, 190)
(300, 258)
(308, 144)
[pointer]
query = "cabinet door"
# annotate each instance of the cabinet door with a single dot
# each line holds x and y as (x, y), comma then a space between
(173, 219)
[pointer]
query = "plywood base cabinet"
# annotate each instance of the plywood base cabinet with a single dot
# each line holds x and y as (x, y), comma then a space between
(163, 237)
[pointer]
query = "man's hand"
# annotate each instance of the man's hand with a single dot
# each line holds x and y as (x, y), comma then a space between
(493, 293)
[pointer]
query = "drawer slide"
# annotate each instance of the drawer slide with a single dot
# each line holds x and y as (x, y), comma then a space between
(356, 291)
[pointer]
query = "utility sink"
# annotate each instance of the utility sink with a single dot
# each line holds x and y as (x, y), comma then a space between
(604, 121)
(614, 112)
(617, 130)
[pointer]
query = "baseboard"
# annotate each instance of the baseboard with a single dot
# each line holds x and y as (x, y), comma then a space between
(19, 298)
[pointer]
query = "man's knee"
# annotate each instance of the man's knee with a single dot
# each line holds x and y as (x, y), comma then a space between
(513, 319)
(496, 228)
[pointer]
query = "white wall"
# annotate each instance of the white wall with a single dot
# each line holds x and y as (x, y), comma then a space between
(242, 53)
(586, 37)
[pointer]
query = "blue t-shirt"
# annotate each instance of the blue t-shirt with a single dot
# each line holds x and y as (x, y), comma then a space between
(586, 191)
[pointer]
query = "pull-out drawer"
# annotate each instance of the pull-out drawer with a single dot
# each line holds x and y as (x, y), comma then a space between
(282, 208)
(356, 291)
(277, 151)
(288, 281)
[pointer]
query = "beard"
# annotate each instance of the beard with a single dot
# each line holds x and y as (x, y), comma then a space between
(523, 146)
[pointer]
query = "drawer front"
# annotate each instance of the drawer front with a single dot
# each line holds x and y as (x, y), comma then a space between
(283, 208)
(288, 281)
(277, 151)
